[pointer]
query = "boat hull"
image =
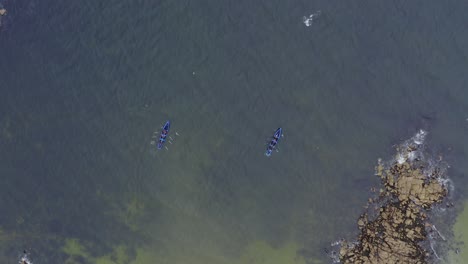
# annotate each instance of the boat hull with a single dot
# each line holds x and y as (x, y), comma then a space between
(274, 141)
(163, 135)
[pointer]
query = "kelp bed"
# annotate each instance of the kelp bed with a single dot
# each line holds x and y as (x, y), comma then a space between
(396, 227)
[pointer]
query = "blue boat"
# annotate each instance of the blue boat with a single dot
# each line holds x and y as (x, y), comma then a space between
(274, 142)
(163, 135)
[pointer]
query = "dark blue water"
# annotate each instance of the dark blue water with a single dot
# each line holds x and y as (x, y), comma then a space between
(84, 85)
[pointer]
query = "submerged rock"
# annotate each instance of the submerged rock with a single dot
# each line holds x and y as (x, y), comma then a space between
(399, 225)
(3, 12)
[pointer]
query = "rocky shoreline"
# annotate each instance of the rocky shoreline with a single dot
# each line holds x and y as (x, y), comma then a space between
(396, 225)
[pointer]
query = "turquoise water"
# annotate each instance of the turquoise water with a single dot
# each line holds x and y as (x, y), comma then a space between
(85, 84)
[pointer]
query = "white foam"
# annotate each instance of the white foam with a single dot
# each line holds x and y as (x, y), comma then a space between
(308, 20)
(418, 139)
(400, 158)
(24, 259)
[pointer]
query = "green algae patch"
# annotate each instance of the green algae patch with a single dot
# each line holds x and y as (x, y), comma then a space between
(118, 256)
(460, 230)
(106, 260)
(144, 256)
(178, 256)
(73, 247)
(132, 211)
(257, 252)
(128, 209)
(260, 252)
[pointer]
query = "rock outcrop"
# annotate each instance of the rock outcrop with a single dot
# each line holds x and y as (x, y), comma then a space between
(399, 222)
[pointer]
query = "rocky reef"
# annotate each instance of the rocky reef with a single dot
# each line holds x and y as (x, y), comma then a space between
(396, 226)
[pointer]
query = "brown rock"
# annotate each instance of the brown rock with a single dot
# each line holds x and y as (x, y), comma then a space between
(395, 234)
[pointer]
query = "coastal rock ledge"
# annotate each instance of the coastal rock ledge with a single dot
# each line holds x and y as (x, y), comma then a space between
(396, 225)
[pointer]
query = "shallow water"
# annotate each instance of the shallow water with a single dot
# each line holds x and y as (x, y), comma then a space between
(85, 84)
(461, 239)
